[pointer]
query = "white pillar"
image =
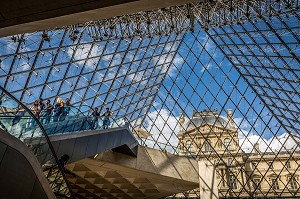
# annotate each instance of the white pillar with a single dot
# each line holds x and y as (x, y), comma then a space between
(207, 180)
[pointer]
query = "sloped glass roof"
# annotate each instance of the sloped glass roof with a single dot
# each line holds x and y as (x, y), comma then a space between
(151, 67)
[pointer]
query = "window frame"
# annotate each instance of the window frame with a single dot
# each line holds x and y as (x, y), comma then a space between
(188, 145)
(274, 184)
(270, 165)
(293, 184)
(207, 145)
(227, 144)
(232, 181)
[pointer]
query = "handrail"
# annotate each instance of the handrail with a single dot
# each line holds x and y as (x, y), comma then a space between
(115, 120)
(128, 125)
(60, 167)
(65, 125)
(78, 108)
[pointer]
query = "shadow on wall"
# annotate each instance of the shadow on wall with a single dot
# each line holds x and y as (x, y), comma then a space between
(20, 173)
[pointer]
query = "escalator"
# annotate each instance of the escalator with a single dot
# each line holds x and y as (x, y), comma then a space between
(24, 126)
(75, 134)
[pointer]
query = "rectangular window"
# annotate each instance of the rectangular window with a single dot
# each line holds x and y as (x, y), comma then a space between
(274, 184)
(207, 145)
(232, 182)
(293, 184)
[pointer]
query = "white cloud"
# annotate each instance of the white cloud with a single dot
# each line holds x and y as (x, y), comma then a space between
(170, 47)
(99, 76)
(174, 66)
(247, 140)
(117, 60)
(177, 62)
(283, 142)
(129, 57)
(83, 51)
(244, 127)
(163, 127)
(24, 65)
(205, 67)
(10, 47)
(111, 73)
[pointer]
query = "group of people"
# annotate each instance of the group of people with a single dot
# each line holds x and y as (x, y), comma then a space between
(58, 112)
(95, 114)
(45, 111)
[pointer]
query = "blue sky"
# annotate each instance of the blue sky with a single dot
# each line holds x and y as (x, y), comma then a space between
(211, 76)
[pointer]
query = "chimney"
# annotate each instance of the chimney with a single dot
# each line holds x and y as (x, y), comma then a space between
(230, 117)
(181, 121)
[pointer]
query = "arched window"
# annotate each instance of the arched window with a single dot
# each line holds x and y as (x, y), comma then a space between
(188, 145)
(207, 145)
(227, 144)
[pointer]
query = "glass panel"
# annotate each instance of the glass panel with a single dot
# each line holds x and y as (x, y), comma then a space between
(16, 120)
(220, 75)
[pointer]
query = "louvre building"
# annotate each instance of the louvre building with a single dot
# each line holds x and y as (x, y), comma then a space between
(208, 135)
(133, 99)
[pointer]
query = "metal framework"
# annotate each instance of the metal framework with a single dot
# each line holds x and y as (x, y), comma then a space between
(151, 66)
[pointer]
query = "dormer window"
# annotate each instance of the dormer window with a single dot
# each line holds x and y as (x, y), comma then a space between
(227, 144)
(188, 145)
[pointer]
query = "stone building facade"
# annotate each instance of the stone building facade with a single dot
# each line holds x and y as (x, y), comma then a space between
(210, 136)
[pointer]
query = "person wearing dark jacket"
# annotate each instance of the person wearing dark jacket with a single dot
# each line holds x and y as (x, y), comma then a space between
(95, 114)
(47, 112)
(106, 117)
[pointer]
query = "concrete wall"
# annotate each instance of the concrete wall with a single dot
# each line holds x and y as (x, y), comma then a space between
(152, 174)
(21, 175)
(155, 161)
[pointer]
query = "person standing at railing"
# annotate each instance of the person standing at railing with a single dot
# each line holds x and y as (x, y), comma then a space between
(66, 110)
(47, 112)
(58, 109)
(18, 115)
(106, 117)
(95, 114)
(41, 104)
(35, 109)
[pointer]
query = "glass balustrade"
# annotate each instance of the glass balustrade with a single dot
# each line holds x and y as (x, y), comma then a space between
(76, 121)
(18, 121)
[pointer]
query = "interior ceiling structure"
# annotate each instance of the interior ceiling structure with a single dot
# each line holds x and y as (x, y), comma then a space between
(17, 17)
(151, 66)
